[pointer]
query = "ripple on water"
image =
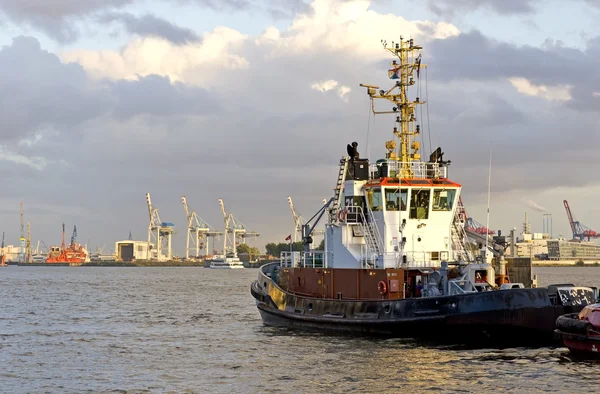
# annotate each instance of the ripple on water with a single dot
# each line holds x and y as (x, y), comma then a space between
(197, 330)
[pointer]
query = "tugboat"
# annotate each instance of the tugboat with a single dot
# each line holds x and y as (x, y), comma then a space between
(396, 260)
(581, 332)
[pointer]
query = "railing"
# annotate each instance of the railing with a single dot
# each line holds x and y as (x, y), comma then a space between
(355, 215)
(419, 169)
(314, 259)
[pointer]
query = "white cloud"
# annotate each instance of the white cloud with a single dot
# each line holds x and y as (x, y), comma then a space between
(36, 163)
(347, 26)
(325, 86)
(145, 56)
(343, 92)
(551, 93)
(331, 84)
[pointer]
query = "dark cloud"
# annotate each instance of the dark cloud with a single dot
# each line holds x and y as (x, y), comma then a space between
(39, 92)
(55, 18)
(150, 25)
(472, 56)
(157, 96)
(451, 8)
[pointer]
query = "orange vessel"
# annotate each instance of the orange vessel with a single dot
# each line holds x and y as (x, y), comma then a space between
(75, 254)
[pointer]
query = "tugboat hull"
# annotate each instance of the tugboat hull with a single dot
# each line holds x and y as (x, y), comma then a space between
(504, 317)
(581, 333)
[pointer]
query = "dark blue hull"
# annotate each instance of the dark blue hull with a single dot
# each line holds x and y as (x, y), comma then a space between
(503, 317)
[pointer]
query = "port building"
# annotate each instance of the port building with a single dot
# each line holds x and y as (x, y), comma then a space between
(573, 250)
(129, 250)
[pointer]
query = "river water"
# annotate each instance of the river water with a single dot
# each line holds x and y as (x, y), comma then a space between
(194, 329)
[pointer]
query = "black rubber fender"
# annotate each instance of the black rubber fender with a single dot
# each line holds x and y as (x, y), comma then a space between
(570, 323)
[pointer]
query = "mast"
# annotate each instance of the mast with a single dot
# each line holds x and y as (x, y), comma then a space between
(402, 71)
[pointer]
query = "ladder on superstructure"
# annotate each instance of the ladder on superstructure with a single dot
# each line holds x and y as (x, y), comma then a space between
(372, 235)
(459, 235)
(339, 187)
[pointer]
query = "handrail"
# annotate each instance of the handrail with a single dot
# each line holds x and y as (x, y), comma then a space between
(355, 215)
(419, 169)
(313, 259)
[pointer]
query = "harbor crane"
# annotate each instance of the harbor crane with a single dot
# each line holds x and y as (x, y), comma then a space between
(234, 229)
(299, 222)
(28, 254)
(3, 257)
(580, 230)
(22, 237)
(159, 235)
(198, 232)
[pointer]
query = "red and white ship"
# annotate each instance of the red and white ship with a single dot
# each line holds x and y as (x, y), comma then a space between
(74, 254)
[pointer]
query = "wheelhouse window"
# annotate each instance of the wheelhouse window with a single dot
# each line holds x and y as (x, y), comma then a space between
(395, 199)
(419, 204)
(374, 199)
(443, 199)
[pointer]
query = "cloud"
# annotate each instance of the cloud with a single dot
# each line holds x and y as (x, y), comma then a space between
(150, 26)
(558, 93)
(534, 71)
(56, 18)
(158, 96)
(331, 84)
(234, 114)
(451, 8)
(347, 29)
(198, 62)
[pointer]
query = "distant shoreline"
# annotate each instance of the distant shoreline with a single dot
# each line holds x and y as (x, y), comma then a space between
(175, 263)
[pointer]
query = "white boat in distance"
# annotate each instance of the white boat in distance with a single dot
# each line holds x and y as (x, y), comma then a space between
(223, 262)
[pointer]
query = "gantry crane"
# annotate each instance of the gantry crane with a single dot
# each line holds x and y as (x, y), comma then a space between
(22, 238)
(233, 229)
(160, 232)
(28, 255)
(74, 236)
(198, 232)
(3, 257)
(580, 230)
(299, 222)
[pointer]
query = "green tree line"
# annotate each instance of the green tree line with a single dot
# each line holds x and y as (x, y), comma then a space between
(275, 250)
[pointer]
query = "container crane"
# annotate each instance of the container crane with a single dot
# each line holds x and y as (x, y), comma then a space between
(3, 257)
(160, 232)
(28, 255)
(472, 225)
(22, 238)
(299, 222)
(198, 232)
(74, 236)
(580, 231)
(233, 229)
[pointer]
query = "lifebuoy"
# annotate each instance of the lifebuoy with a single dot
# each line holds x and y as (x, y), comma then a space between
(342, 215)
(382, 286)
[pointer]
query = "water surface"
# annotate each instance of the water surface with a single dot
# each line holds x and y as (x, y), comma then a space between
(194, 329)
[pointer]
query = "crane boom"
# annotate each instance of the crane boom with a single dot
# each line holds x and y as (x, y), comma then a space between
(187, 210)
(570, 217)
(149, 202)
(74, 236)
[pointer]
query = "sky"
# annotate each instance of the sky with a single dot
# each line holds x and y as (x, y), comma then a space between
(255, 100)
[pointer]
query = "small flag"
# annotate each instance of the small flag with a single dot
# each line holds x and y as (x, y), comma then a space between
(394, 73)
(289, 237)
(419, 67)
